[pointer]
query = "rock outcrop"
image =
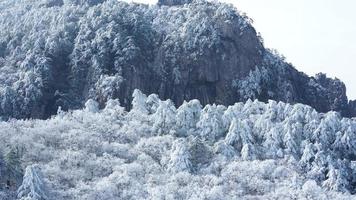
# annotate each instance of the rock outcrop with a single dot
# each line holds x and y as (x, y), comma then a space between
(64, 53)
(173, 2)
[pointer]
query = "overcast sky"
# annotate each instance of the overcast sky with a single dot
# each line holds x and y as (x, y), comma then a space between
(314, 35)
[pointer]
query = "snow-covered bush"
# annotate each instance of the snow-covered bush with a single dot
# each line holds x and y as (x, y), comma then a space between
(248, 150)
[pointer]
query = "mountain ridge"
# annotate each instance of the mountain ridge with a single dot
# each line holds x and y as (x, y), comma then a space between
(56, 53)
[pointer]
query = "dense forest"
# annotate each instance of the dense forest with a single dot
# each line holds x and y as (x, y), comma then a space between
(157, 151)
(225, 118)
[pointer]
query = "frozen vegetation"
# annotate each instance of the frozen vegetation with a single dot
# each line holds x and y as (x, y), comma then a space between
(79, 65)
(250, 150)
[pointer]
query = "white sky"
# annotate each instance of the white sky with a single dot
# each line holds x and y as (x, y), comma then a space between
(314, 35)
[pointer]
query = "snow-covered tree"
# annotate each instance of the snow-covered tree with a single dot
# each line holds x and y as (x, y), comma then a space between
(210, 124)
(188, 115)
(33, 186)
(248, 152)
(224, 149)
(139, 102)
(92, 106)
(164, 118)
(250, 87)
(200, 153)
(307, 156)
(348, 141)
(292, 138)
(233, 137)
(336, 180)
(152, 103)
(179, 157)
(113, 153)
(325, 133)
(273, 143)
(232, 112)
(13, 168)
(107, 87)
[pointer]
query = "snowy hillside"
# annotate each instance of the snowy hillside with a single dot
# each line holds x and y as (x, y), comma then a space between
(63, 137)
(250, 150)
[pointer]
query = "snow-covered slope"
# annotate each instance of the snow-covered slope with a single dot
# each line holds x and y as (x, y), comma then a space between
(250, 150)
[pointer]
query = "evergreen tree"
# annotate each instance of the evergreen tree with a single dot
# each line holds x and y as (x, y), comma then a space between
(292, 137)
(210, 124)
(188, 115)
(307, 157)
(200, 153)
(272, 143)
(164, 118)
(224, 149)
(336, 180)
(13, 170)
(248, 152)
(33, 186)
(180, 157)
(348, 142)
(139, 102)
(92, 106)
(152, 103)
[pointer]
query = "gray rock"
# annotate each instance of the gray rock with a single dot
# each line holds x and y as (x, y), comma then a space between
(173, 2)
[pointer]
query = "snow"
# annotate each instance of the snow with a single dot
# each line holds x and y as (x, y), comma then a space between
(32, 187)
(157, 151)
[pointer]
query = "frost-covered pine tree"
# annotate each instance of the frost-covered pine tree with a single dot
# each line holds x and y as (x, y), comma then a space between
(152, 103)
(292, 137)
(13, 171)
(139, 102)
(164, 118)
(106, 87)
(210, 124)
(232, 112)
(338, 145)
(336, 179)
(327, 129)
(250, 86)
(307, 156)
(200, 152)
(245, 131)
(224, 149)
(272, 143)
(114, 111)
(188, 115)
(248, 152)
(233, 137)
(348, 141)
(33, 186)
(8, 99)
(92, 106)
(180, 157)
(240, 136)
(319, 165)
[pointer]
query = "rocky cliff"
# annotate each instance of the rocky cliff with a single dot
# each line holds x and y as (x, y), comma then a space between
(173, 2)
(59, 53)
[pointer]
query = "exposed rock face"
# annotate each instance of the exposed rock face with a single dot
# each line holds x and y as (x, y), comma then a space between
(352, 109)
(173, 2)
(69, 51)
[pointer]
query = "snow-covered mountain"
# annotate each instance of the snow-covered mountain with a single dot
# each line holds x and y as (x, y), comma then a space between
(62, 52)
(81, 65)
(251, 150)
